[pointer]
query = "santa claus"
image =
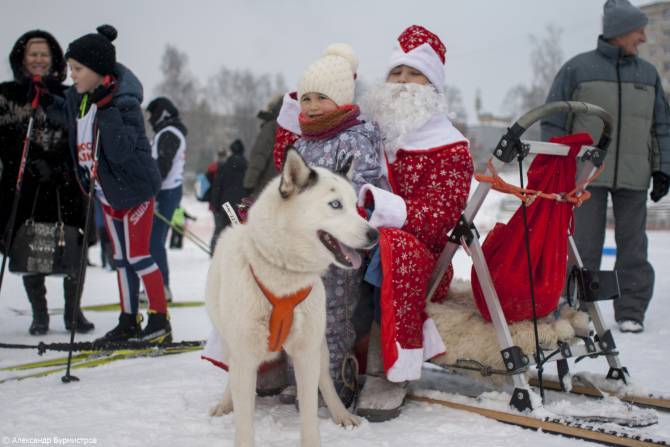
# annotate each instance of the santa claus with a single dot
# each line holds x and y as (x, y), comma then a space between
(429, 169)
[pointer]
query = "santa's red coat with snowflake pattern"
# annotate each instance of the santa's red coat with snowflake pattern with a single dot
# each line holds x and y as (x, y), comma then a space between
(434, 184)
(283, 140)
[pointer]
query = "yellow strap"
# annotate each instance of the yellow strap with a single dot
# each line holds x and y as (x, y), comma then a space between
(82, 106)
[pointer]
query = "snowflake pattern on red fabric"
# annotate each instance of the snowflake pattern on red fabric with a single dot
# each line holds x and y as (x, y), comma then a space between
(405, 292)
(416, 35)
(435, 185)
(283, 139)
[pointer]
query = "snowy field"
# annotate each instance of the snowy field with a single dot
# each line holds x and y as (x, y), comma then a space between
(165, 401)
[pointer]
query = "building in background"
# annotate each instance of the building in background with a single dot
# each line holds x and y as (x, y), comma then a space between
(657, 48)
(485, 134)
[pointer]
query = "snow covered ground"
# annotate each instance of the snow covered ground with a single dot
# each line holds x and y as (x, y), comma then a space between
(165, 401)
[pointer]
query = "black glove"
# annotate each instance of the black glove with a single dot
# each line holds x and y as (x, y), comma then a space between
(38, 87)
(40, 168)
(102, 95)
(661, 184)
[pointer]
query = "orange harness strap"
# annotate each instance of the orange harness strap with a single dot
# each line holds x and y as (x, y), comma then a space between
(577, 196)
(281, 317)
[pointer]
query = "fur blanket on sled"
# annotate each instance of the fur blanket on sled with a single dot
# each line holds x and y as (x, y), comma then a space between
(468, 336)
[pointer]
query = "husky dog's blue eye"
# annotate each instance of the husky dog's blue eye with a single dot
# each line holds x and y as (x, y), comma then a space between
(335, 204)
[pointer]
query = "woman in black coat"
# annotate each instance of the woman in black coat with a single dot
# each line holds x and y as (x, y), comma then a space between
(49, 169)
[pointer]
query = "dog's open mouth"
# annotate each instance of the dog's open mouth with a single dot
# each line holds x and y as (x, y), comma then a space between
(344, 254)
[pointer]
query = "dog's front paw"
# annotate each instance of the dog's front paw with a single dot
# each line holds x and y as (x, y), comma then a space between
(346, 419)
(223, 407)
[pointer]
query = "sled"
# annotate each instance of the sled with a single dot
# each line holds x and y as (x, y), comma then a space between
(590, 287)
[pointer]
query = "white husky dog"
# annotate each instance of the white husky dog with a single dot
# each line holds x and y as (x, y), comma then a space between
(303, 221)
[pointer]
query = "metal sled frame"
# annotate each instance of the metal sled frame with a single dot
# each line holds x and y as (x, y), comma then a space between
(508, 149)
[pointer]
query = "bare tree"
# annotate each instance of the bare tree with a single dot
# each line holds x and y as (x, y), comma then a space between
(178, 83)
(207, 133)
(206, 130)
(240, 95)
(546, 59)
(227, 111)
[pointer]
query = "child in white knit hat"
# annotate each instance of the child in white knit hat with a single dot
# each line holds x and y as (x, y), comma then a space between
(330, 128)
(331, 134)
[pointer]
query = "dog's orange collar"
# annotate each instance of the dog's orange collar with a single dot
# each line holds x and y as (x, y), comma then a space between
(281, 317)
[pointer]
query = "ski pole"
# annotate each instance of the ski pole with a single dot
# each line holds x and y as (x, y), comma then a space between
(67, 378)
(9, 230)
(184, 232)
(539, 357)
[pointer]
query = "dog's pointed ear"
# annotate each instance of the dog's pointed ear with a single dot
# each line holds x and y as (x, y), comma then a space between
(296, 175)
(347, 169)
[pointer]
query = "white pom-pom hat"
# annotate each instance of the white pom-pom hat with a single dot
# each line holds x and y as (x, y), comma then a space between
(333, 74)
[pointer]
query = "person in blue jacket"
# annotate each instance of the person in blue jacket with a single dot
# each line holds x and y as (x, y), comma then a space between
(108, 143)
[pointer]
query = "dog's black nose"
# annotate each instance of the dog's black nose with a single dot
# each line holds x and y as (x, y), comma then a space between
(373, 236)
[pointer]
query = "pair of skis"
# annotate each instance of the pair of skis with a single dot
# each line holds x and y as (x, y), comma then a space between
(89, 359)
(110, 307)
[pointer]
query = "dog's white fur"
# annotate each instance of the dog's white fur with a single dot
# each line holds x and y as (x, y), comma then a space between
(280, 242)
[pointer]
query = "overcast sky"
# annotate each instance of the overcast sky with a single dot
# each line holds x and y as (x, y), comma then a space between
(487, 40)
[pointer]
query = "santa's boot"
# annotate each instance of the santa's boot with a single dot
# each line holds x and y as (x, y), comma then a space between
(380, 400)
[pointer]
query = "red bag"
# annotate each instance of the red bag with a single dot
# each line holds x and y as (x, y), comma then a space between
(549, 223)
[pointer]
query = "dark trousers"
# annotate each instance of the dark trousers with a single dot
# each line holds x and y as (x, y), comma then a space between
(177, 239)
(636, 275)
(106, 256)
(166, 202)
(221, 221)
(37, 292)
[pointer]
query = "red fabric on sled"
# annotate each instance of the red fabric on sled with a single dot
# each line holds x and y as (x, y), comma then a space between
(549, 222)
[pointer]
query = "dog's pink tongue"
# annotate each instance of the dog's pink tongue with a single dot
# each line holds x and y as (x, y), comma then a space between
(353, 256)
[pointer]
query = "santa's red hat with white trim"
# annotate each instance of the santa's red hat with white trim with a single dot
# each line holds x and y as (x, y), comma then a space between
(422, 50)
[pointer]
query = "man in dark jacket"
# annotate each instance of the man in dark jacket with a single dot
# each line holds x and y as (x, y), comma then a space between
(613, 77)
(169, 150)
(227, 186)
(261, 167)
(49, 176)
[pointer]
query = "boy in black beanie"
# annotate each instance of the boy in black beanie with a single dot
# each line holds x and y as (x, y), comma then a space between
(108, 143)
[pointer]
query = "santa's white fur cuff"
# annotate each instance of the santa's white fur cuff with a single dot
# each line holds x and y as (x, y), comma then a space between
(390, 210)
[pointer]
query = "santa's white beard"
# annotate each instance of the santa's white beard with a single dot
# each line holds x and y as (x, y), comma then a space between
(400, 109)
